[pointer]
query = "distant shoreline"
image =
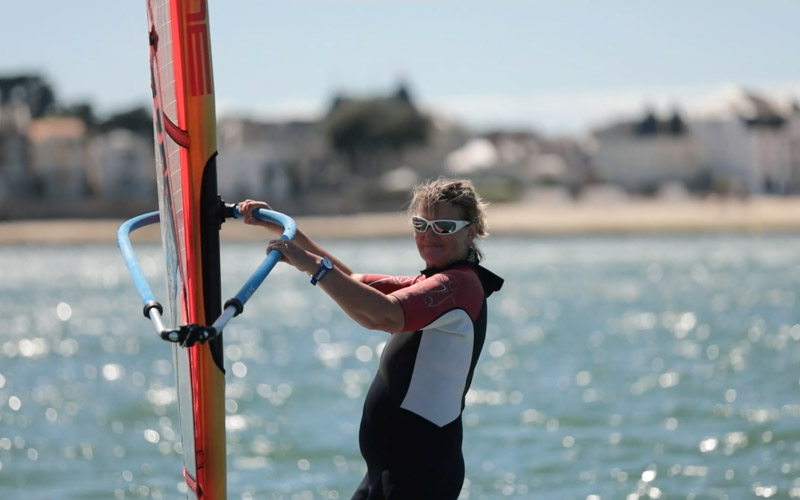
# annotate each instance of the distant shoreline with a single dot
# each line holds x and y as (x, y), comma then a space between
(766, 214)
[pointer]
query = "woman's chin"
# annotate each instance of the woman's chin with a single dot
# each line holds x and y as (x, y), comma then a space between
(433, 259)
(429, 262)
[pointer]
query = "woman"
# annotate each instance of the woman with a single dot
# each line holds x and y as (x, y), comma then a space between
(411, 428)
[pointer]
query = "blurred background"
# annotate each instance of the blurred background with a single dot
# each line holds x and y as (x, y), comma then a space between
(340, 107)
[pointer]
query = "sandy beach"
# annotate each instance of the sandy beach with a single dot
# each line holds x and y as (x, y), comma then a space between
(651, 216)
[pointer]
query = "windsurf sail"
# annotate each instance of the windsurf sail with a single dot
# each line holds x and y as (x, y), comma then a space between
(188, 337)
(190, 214)
(185, 136)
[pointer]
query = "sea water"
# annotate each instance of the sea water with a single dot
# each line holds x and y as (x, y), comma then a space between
(615, 367)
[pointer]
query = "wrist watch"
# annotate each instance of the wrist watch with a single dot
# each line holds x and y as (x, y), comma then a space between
(325, 267)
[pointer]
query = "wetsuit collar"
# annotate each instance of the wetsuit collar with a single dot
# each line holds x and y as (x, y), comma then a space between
(490, 281)
(430, 271)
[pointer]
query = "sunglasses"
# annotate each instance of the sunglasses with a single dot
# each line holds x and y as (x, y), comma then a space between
(441, 226)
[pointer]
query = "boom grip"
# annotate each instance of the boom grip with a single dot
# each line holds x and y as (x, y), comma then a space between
(233, 307)
(272, 258)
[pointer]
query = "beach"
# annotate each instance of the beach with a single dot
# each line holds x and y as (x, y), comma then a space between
(550, 218)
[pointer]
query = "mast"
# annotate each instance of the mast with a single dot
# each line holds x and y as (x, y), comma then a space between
(185, 129)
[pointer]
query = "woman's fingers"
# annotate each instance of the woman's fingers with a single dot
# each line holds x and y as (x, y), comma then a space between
(248, 207)
(283, 247)
(293, 254)
(280, 245)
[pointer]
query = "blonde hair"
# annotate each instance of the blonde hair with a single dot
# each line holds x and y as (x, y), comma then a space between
(461, 194)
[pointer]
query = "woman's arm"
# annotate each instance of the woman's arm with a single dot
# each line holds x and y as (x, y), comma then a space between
(369, 307)
(311, 246)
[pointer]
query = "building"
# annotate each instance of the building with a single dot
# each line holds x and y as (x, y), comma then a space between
(58, 157)
(273, 161)
(121, 166)
(16, 179)
(642, 156)
(747, 142)
(509, 165)
(793, 129)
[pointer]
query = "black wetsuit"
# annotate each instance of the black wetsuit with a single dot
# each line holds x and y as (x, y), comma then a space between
(411, 428)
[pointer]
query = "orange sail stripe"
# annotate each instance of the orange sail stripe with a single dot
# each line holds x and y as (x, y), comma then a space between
(187, 151)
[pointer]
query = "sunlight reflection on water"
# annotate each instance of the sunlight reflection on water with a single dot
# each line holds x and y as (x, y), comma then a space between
(659, 367)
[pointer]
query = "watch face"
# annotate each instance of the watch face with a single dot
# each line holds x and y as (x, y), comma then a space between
(327, 262)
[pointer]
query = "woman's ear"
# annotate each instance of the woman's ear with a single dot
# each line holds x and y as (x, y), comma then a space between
(472, 233)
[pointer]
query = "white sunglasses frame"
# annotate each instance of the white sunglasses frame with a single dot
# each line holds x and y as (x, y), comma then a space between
(460, 224)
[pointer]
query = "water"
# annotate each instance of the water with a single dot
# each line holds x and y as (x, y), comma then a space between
(614, 368)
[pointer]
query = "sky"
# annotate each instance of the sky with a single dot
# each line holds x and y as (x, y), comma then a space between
(557, 67)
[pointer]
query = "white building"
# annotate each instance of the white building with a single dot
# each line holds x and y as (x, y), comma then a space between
(444, 137)
(644, 155)
(746, 141)
(269, 160)
(58, 157)
(121, 166)
(794, 145)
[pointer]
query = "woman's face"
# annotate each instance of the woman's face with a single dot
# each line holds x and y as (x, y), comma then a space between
(438, 250)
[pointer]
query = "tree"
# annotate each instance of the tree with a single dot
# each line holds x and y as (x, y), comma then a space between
(139, 120)
(366, 130)
(31, 90)
(84, 111)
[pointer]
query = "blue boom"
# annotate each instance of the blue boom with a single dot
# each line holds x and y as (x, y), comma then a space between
(189, 334)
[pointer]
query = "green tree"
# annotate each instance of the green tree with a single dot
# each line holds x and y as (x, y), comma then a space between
(32, 90)
(139, 120)
(367, 131)
(82, 110)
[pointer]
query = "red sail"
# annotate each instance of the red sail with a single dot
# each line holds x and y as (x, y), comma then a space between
(185, 129)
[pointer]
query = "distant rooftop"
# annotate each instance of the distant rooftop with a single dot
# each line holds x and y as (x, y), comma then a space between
(45, 129)
(746, 104)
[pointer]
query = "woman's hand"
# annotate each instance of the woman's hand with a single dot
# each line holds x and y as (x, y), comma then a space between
(248, 207)
(295, 255)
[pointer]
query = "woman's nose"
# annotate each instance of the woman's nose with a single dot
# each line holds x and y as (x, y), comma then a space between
(429, 233)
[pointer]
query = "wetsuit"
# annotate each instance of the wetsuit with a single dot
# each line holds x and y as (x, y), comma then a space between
(411, 428)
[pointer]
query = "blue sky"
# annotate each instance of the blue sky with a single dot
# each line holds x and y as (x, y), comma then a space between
(550, 65)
